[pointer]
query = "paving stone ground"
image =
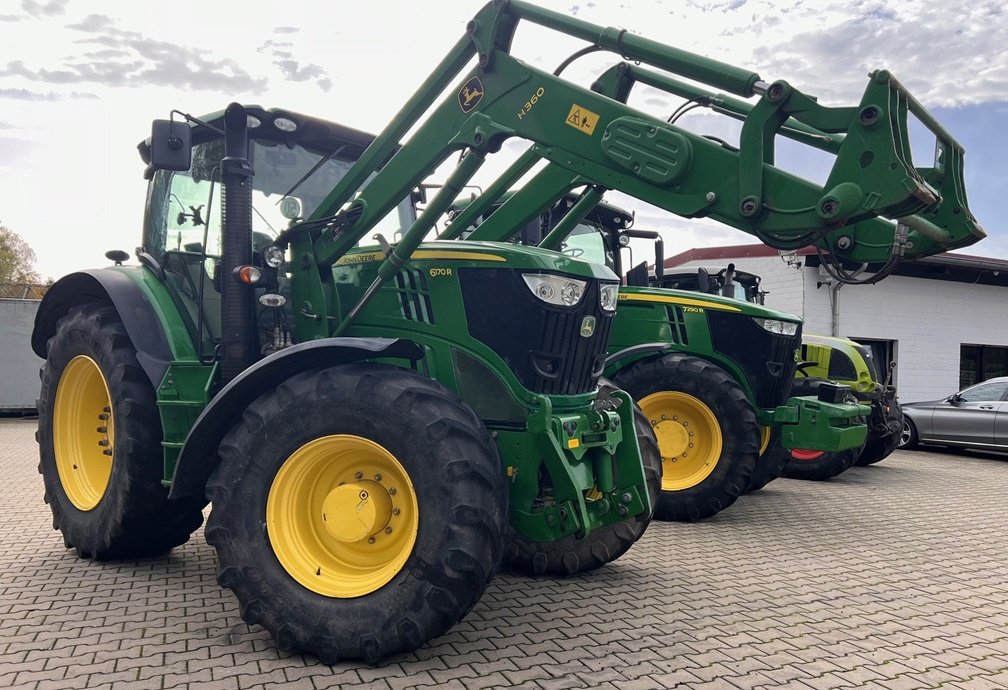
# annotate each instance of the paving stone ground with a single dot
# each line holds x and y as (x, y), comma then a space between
(893, 576)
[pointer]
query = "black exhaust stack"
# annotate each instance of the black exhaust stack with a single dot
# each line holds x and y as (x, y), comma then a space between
(237, 348)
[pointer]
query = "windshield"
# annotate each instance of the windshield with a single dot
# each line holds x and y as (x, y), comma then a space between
(184, 213)
(585, 242)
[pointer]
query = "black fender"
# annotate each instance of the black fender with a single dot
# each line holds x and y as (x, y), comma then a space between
(634, 350)
(198, 457)
(133, 305)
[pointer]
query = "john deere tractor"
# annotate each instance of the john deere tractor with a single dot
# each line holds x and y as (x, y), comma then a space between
(712, 374)
(822, 359)
(378, 428)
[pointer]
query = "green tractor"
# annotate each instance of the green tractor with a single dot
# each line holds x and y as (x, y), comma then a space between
(377, 429)
(367, 479)
(822, 359)
(711, 375)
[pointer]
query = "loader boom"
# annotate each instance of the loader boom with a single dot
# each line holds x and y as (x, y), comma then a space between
(597, 140)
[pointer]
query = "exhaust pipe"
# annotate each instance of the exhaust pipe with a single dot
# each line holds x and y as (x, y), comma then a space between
(236, 240)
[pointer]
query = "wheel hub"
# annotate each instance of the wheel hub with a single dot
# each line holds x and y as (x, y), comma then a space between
(673, 438)
(355, 511)
(688, 435)
(342, 515)
(83, 432)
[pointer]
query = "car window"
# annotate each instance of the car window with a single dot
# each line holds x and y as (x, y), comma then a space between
(984, 392)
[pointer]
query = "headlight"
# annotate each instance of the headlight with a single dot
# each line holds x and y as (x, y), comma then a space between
(607, 296)
(558, 290)
(273, 256)
(776, 326)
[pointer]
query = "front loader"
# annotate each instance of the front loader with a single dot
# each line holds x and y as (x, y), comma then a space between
(701, 478)
(378, 428)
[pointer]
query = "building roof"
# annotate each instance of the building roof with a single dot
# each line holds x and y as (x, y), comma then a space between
(947, 266)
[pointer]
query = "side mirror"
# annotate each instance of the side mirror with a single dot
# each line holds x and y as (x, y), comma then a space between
(170, 145)
(955, 399)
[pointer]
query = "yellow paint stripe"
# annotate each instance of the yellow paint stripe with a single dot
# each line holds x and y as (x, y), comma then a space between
(472, 256)
(668, 299)
(373, 257)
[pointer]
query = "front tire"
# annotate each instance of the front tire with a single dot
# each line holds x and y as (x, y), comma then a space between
(570, 555)
(881, 445)
(100, 443)
(706, 429)
(771, 463)
(358, 511)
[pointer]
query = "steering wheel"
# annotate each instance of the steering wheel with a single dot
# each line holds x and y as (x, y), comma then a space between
(573, 252)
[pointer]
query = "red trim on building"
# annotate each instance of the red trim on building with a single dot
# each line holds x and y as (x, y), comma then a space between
(736, 251)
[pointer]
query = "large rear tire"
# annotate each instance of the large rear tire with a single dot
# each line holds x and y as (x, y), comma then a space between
(706, 430)
(358, 511)
(570, 555)
(100, 444)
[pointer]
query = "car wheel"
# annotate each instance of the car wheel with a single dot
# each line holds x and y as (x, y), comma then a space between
(908, 436)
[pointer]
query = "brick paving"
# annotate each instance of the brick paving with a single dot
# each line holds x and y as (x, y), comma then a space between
(888, 577)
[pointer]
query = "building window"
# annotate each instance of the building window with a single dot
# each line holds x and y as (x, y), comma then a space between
(981, 362)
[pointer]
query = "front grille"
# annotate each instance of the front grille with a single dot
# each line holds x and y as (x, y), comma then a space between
(541, 343)
(677, 323)
(766, 358)
(414, 297)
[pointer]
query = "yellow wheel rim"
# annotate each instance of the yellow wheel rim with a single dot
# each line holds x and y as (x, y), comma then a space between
(689, 438)
(764, 439)
(342, 516)
(83, 432)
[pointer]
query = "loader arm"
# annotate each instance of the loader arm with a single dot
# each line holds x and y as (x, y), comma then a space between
(941, 227)
(604, 143)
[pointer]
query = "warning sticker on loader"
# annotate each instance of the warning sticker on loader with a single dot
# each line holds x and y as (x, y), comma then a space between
(582, 119)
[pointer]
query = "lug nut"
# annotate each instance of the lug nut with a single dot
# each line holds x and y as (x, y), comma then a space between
(377, 477)
(359, 475)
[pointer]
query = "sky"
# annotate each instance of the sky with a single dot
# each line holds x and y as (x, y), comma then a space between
(81, 80)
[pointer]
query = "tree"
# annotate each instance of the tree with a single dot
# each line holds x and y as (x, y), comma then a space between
(17, 259)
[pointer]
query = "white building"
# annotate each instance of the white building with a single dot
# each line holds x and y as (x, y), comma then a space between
(943, 319)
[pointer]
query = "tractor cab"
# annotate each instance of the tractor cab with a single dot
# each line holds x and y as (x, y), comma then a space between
(727, 282)
(297, 161)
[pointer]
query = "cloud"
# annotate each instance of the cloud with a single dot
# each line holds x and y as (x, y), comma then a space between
(295, 71)
(286, 30)
(129, 59)
(28, 95)
(47, 9)
(909, 38)
(290, 67)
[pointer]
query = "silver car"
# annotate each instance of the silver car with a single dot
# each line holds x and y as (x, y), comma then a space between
(976, 417)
